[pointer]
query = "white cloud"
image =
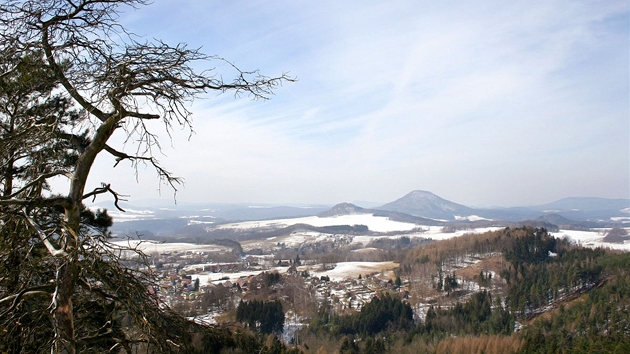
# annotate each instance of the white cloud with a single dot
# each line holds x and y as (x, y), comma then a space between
(484, 103)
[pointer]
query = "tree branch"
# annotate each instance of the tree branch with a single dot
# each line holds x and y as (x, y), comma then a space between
(74, 93)
(104, 189)
(35, 202)
(28, 292)
(54, 251)
(162, 173)
(39, 179)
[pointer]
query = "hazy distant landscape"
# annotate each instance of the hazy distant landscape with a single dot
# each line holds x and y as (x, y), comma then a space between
(417, 207)
(432, 254)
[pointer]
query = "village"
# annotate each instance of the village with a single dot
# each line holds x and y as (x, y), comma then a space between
(209, 292)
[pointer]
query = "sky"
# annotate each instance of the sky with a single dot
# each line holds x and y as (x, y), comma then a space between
(487, 103)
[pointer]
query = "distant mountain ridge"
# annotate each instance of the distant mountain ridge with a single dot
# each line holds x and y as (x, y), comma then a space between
(419, 207)
(428, 205)
(585, 204)
(343, 209)
(570, 211)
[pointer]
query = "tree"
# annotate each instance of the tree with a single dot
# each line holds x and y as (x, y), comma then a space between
(30, 124)
(105, 81)
(265, 316)
(348, 346)
(450, 283)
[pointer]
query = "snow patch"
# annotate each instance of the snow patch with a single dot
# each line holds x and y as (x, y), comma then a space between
(148, 246)
(197, 222)
(345, 270)
(470, 218)
(131, 215)
(374, 223)
(593, 238)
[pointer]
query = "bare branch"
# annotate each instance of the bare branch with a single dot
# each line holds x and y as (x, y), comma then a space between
(104, 189)
(25, 293)
(41, 178)
(163, 174)
(54, 251)
(36, 202)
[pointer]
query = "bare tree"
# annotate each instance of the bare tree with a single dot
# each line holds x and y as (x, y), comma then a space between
(117, 82)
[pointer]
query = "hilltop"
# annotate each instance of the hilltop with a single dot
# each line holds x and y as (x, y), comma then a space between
(428, 205)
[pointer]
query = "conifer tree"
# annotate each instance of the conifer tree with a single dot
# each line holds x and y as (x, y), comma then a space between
(72, 77)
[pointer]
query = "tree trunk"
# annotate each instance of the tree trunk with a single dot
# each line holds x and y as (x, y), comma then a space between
(68, 272)
(62, 313)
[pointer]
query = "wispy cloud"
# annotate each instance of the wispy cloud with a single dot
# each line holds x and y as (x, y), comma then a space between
(484, 103)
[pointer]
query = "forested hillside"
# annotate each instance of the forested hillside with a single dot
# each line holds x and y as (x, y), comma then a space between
(533, 294)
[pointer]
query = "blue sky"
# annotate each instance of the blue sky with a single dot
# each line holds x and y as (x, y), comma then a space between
(485, 103)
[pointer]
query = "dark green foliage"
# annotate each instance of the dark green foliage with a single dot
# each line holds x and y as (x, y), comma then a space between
(270, 279)
(374, 346)
(533, 248)
(98, 220)
(25, 320)
(235, 245)
(484, 279)
(348, 346)
(386, 313)
(322, 319)
(246, 343)
(475, 317)
(346, 229)
(535, 279)
(440, 284)
(265, 316)
(600, 324)
(450, 283)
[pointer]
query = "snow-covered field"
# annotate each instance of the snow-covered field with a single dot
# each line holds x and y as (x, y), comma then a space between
(293, 240)
(429, 232)
(345, 270)
(131, 215)
(592, 238)
(374, 223)
(304, 237)
(150, 246)
(205, 278)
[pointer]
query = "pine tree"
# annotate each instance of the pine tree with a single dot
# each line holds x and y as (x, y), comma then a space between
(66, 65)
